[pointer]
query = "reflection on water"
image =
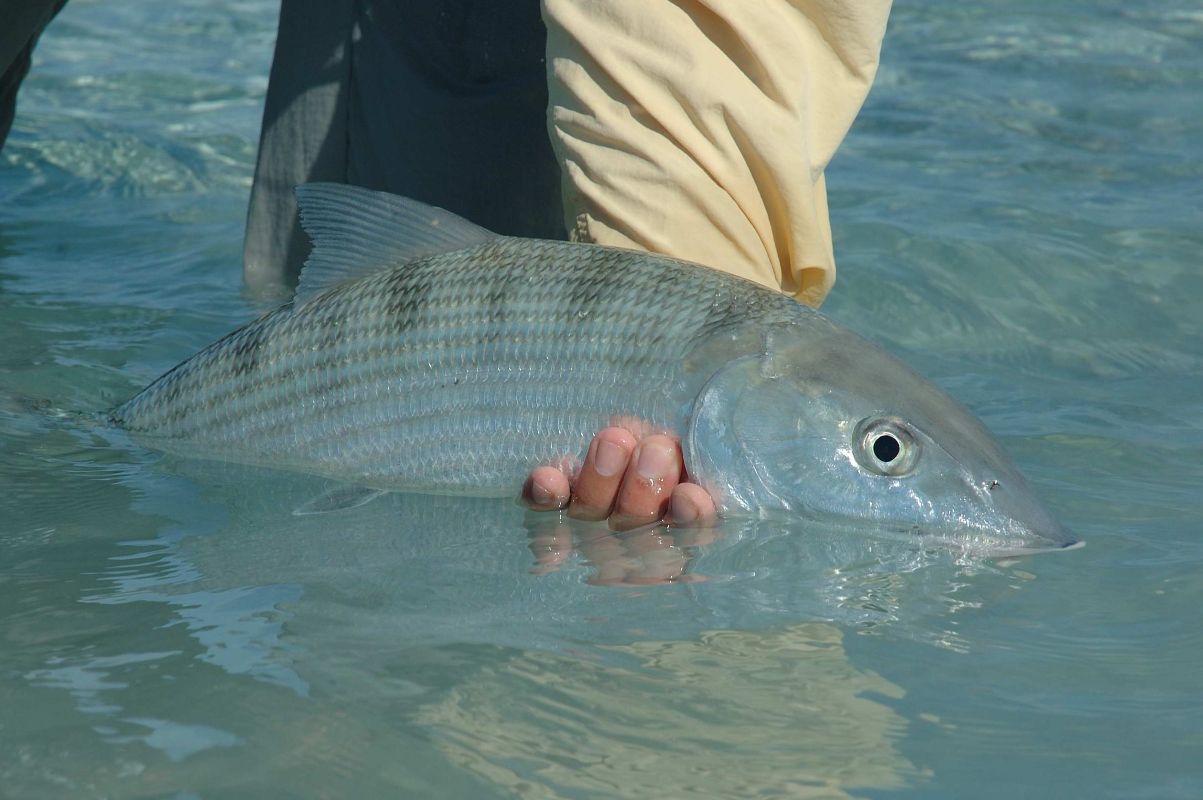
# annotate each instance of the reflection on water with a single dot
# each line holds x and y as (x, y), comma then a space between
(426, 616)
(647, 556)
(462, 569)
(207, 636)
(729, 714)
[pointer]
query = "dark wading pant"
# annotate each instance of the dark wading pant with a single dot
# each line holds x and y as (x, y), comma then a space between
(441, 100)
(21, 23)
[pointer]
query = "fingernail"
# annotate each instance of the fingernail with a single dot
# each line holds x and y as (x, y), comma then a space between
(684, 511)
(541, 496)
(654, 462)
(611, 459)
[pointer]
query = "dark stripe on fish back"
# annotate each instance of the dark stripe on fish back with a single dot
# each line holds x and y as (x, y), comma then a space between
(407, 292)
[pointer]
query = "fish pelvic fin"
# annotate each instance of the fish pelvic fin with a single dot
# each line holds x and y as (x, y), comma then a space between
(356, 231)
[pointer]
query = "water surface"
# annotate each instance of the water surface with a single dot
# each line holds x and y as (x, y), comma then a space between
(1016, 213)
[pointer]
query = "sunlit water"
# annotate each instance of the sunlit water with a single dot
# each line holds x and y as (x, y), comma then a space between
(1017, 213)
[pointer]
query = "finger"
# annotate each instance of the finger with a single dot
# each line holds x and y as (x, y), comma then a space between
(550, 545)
(607, 555)
(656, 557)
(546, 489)
(691, 507)
(695, 537)
(648, 483)
(662, 566)
(601, 475)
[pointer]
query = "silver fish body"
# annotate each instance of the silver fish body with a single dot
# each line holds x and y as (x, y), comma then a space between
(456, 369)
(457, 372)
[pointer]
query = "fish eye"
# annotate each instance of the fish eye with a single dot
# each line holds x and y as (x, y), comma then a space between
(885, 446)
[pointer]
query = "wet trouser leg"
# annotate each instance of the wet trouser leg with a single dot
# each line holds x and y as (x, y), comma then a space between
(23, 23)
(441, 100)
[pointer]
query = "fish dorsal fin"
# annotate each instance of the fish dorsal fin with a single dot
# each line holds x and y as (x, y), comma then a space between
(356, 231)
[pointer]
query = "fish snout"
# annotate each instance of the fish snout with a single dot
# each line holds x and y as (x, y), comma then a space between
(1036, 529)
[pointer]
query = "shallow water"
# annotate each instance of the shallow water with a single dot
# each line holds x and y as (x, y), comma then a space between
(1017, 213)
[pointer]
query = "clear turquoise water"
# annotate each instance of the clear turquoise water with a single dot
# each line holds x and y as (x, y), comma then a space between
(1017, 213)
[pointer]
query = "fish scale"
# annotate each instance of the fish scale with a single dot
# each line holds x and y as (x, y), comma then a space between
(456, 372)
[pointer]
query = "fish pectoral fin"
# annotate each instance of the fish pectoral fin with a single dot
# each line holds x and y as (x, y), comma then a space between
(340, 498)
(356, 231)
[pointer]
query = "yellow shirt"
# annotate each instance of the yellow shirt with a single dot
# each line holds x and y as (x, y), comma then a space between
(701, 128)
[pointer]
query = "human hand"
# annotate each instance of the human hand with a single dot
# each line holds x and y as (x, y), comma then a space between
(630, 480)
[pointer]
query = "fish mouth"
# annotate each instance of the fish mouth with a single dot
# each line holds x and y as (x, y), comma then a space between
(1045, 536)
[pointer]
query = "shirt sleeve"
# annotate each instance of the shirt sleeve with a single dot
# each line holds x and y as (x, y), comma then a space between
(701, 128)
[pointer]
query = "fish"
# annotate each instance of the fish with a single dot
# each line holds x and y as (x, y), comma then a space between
(423, 353)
